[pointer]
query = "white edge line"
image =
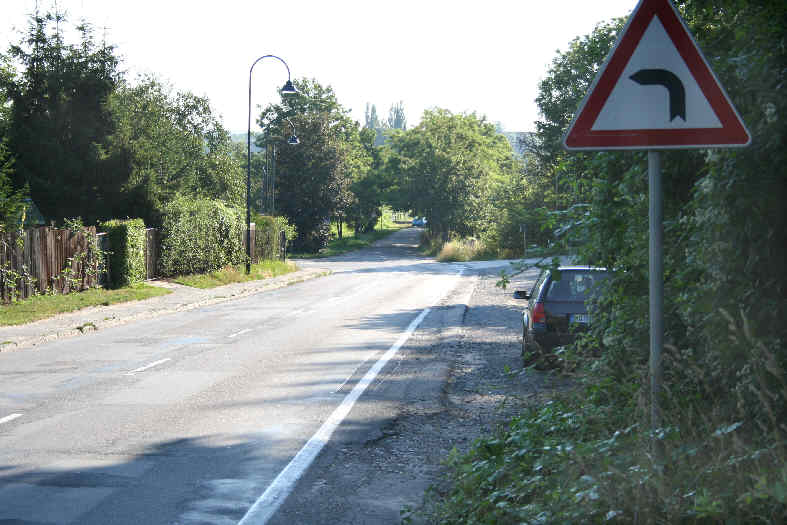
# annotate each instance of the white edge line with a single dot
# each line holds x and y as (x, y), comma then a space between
(269, 502)
(151, 365)
(352, 374)
(10, 418)
(244, 331)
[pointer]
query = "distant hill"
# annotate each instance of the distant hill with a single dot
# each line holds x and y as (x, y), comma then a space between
(241, 138)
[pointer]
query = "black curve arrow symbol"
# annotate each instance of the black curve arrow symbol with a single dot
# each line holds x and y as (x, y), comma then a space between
(662, 77)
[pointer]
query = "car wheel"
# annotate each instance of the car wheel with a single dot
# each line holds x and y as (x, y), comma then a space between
(528, 356)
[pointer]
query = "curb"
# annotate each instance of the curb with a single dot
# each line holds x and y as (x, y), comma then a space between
(91, 319)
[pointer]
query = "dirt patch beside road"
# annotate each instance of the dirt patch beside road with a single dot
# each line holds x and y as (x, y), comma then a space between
(482, 387)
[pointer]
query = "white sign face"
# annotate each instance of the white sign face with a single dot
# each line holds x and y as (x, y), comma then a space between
(632, 105)
(655, 91)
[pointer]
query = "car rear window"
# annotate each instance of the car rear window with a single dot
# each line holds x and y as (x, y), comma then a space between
(574, 285)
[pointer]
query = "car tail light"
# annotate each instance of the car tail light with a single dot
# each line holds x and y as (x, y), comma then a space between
(539, 316)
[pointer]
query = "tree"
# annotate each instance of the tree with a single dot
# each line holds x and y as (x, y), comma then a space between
(313, 178)
(372, 121)
(396, 117)
(447, 165)
(11, 198)
(725, 232)
(12, 201)
(167, 143)
(59, 120)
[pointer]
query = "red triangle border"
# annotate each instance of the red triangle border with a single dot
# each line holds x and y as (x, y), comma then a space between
(580, 136)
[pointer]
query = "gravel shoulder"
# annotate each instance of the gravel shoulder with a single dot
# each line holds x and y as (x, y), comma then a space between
(469, 358)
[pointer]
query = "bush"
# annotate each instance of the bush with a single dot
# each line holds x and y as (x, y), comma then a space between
(464, 250)
(127, 251)
(315, 240)
(267, 232)
(199, 236)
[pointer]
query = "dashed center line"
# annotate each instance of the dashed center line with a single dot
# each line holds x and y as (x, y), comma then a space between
(236, 334)
(147, 367)
(10, 418)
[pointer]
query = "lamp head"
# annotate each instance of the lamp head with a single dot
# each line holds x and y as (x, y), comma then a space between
(289, 89)
(293, 140)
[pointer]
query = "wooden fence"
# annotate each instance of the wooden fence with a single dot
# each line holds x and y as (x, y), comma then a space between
(151, 253)
(45, 259)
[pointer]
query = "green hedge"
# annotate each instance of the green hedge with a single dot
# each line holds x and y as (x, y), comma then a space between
(127, 251)
(267, 232)
(200, 236)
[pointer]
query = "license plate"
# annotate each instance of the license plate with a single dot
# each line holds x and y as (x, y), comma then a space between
(580, 318)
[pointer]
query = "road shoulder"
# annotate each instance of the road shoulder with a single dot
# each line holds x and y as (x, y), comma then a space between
(458, 379)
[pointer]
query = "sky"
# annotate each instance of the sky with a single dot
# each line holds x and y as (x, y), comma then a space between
(482, 56)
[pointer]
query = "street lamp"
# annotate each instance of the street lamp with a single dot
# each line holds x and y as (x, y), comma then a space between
(287, 89)
(293, 140)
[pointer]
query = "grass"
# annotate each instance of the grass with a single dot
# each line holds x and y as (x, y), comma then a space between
(470, 249)
(236, 274)
(462, 250)
(43, 306)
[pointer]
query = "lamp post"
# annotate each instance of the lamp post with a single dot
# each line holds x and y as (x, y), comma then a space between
(287, 89)
(293, 140)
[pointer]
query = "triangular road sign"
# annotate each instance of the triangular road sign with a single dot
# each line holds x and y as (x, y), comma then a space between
(655, 91)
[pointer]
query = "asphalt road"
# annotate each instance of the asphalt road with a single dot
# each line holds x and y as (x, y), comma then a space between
(213, 414)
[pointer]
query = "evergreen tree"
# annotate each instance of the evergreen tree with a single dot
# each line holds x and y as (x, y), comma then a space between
(396, 116)
(59, 118)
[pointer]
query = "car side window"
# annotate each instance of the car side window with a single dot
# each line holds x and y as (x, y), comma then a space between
(538, 285)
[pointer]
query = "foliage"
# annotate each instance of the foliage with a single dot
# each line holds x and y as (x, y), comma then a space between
(12, 201)
(381, 128)
(199, 236)
(267, 234)
(88, 143)
(367, 188)
(127, 258)
(58, 119)
(467, 249)
(578, 459)
(314, 178)
(396, 116)
(725, 387)
(167, 143)
(446, 166)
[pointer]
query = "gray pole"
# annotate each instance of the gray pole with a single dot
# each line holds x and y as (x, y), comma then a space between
(248, 180)
(656, 273)
(288, 88)
(273, 181)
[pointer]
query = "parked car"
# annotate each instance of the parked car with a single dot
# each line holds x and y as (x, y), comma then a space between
(419, 221)
(556, 308)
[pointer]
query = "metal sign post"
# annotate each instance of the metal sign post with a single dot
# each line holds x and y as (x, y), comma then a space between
(523, 230)
(656, 283)
(654, 92)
